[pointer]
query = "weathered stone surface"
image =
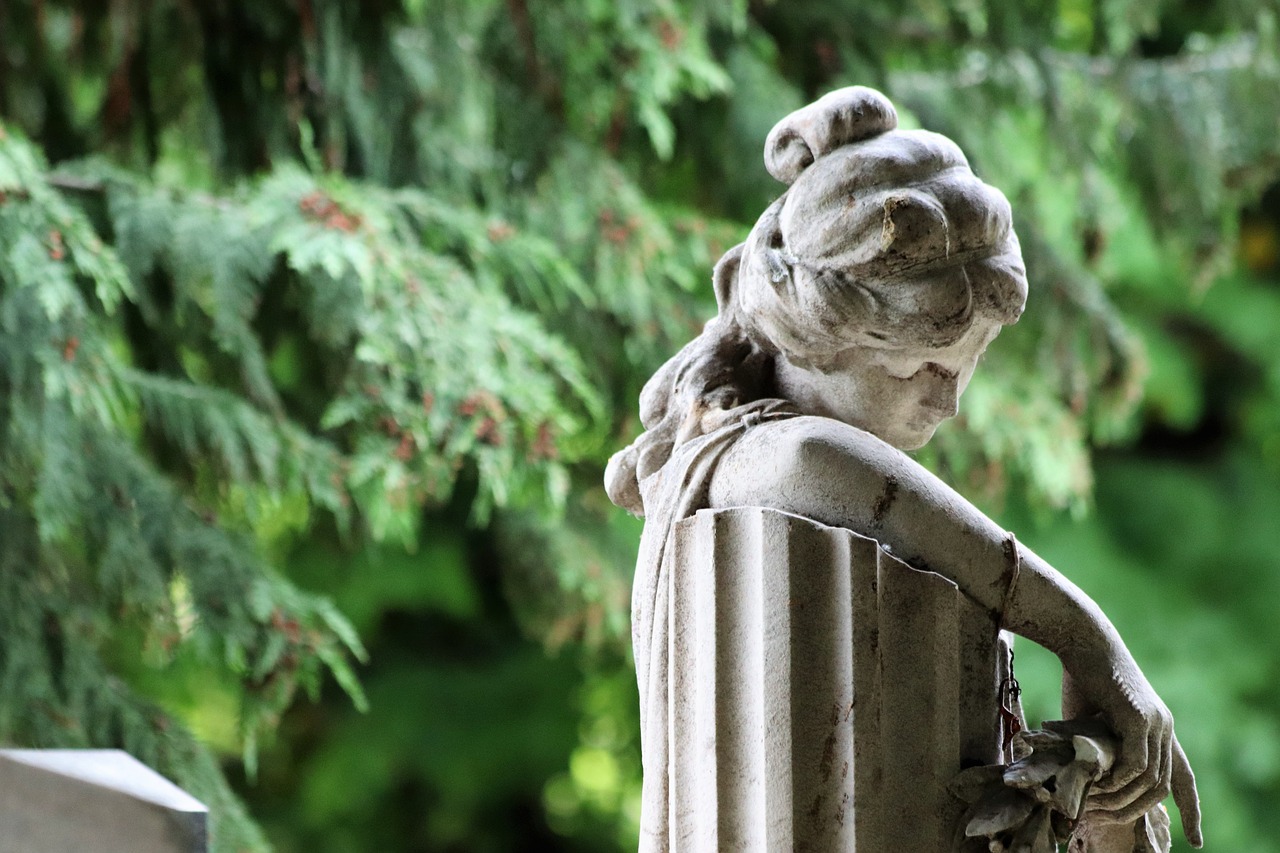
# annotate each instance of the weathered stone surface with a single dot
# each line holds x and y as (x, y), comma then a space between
(850, 321)
(93, 801)
(826, 690)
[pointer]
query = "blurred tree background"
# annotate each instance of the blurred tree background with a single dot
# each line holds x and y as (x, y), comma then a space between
(319, 319)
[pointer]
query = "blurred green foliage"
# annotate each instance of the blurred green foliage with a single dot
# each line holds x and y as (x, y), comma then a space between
(320, 320)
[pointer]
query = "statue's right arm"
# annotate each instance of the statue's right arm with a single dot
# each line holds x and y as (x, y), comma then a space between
(844, 477)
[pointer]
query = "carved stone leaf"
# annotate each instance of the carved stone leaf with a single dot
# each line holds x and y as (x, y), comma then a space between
(1099, 751)
(1073, 785)
(1038, 738)
(970, 784)
(1036, 834)
(1000, 810)
(1037, 802)
(1040, 766)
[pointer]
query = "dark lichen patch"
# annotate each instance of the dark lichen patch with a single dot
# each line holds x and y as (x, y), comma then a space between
(885, 501)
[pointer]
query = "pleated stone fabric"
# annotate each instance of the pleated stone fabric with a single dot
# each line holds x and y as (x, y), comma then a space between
(821, 692)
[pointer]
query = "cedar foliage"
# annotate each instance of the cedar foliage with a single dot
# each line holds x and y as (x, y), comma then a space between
(343, 272)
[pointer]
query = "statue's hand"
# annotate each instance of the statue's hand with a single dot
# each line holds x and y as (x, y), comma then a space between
(1151, 763)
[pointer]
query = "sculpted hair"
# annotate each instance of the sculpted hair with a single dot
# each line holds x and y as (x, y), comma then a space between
(884, 239)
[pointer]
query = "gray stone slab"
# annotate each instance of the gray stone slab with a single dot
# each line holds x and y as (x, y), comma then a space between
(94, 801)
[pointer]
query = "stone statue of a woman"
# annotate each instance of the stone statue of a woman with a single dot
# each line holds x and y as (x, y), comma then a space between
(850, 321)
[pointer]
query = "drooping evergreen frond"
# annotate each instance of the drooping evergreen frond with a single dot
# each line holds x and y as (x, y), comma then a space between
(163, 408)
(101, 545)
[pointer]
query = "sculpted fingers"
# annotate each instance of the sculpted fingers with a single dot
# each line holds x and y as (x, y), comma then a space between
(1139, 746)
(1185, 795)
(1143, 793)
(1169, 772)
(1131, 812)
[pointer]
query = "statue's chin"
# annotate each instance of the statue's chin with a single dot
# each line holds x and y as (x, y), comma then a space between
(910, 437)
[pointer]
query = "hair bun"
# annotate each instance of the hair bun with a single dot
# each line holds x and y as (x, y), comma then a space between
(838, 118)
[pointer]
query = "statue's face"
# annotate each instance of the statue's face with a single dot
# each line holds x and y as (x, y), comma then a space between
(900, 396)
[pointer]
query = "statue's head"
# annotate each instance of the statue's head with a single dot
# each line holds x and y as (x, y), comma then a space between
(866, 293)
(880, 275)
